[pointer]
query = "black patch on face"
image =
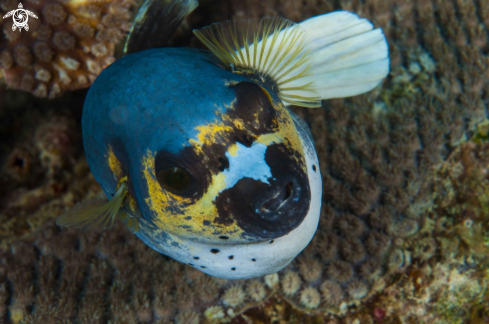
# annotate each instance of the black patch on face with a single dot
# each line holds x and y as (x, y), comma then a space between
(200, 168)
(268, 210)
(255, 110)
(224, 163)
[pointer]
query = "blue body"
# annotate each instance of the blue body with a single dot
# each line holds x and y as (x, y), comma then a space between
(163, 97)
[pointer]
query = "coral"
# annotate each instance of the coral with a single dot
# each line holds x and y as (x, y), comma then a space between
(234, 296)
(42, 169)
(403, 235)
(291, 283)
(187, 318)
(256, 290)
(332, 292)
(310, 269)
(310, 297)
(65, 48)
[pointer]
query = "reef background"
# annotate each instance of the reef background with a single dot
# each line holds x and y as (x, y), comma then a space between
(404, 230)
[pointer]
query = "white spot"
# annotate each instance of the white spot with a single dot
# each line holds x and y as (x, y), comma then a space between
(414, 68)
(43, 75)
(427, 62)
(93, 67)
(248, 162)
(70, 63)
(271, 280)
(99, 49)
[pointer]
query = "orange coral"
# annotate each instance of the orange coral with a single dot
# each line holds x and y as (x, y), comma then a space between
(69, 44)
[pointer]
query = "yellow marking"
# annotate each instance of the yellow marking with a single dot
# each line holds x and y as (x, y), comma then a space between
(267, 94)
(290, 134)
(270, 138)
(131, 203)
(160, 202)
(238, 123)
(114, 164)
(233, 150)
(208, 133)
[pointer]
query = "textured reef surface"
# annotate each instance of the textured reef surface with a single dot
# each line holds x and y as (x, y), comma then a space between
(65, 48)
(404, 230)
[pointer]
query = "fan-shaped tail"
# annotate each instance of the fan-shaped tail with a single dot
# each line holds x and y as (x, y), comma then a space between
(350, 57)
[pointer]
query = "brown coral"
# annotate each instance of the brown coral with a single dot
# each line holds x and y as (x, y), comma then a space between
(332, 292)
(65, 48)
(234, 296)
(310, 297)
(291, 283)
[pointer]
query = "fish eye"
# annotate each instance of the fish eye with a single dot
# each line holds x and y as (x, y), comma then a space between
(174, 179)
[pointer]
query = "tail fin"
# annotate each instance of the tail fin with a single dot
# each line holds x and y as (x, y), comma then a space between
(329, 56)
(350, 57)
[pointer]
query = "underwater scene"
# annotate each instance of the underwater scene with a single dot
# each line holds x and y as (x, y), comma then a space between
(243, 161)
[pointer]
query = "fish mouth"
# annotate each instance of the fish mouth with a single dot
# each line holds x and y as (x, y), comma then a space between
(272, 208)
(279, 199)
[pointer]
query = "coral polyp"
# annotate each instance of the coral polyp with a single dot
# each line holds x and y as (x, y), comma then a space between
(69, 44)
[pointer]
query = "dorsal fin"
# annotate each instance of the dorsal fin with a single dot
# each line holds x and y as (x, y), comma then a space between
(275, 50)
(155, 22)
(333, 55)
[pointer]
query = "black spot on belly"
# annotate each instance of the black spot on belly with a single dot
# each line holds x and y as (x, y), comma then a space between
(206, 223)
(231, 257)
(191, 264)
(196, 258)
(233, 269)
(254, 260)
(271, 241)
(223, 237)
(314, 167)
(215, 251)
(203, 267)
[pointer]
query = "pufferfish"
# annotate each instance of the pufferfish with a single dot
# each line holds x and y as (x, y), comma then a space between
(197, 150)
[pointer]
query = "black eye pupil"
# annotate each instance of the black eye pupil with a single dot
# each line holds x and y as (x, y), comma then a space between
(174, 179)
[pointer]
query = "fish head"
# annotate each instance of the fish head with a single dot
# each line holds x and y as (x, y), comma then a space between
(220, 175)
